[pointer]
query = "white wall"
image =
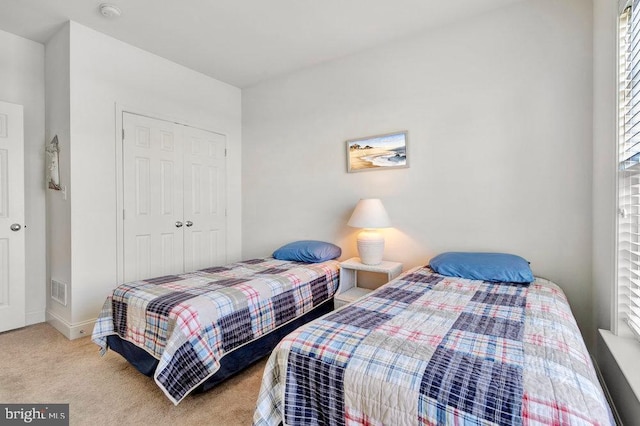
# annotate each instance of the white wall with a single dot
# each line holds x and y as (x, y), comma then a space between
(59, 210)
(499, 114)
(22, 82)
(105, 72)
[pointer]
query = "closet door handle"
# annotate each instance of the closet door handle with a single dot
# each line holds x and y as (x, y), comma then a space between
(189, 224)
(178, 224)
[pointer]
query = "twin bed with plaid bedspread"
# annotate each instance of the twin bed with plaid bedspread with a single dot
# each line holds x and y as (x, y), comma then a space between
(190, 321)
(435, 350)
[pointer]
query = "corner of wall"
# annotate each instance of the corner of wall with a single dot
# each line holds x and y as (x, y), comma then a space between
(57, 122)
(70, 331)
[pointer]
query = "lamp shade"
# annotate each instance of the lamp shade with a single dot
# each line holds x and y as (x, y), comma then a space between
(369, 213)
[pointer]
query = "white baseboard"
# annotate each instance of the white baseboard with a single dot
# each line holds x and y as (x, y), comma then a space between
(70, 331)
(35, 317)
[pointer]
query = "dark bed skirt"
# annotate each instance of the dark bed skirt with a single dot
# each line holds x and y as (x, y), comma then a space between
(230, 364)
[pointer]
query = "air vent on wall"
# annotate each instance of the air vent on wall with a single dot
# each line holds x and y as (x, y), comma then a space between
(59, 292)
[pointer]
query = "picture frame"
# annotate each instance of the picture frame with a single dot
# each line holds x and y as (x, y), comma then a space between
(53, 169)
(379, 152)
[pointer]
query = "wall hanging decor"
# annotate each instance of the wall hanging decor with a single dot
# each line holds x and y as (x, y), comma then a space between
(53, 171)
(381, 152)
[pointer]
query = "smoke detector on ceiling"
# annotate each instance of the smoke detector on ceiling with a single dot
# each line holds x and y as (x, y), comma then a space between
(109, 10)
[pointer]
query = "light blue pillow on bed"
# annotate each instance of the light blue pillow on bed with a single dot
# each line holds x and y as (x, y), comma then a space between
(308, 251)
(494, 267)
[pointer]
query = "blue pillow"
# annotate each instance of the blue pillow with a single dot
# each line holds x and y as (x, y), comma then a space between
(494, 267)
(308, 251)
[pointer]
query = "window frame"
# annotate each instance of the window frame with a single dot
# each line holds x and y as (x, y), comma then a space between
(620, 321)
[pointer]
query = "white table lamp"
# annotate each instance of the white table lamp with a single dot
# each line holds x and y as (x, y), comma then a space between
(370, 215)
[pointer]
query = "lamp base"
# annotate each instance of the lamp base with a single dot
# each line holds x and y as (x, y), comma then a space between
(370, 247)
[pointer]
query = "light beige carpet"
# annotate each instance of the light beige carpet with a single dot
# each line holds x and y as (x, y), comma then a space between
(39, 365)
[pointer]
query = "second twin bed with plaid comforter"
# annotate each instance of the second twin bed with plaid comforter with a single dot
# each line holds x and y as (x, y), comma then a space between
(190, 321)
(435, 350)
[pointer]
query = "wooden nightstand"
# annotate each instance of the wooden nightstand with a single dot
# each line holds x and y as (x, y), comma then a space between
(348, 289)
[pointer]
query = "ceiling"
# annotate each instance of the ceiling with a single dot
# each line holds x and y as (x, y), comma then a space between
(242, 42)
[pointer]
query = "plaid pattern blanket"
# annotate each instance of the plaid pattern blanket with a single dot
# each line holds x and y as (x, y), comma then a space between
(434, 350)
(190, 321)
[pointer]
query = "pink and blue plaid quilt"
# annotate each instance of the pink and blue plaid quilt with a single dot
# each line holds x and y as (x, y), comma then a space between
(190, 321)
(426, 349)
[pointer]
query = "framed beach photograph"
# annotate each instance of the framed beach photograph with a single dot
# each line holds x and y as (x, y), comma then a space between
(381, 152)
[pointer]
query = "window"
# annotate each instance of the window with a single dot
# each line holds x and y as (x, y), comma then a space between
(629, 167)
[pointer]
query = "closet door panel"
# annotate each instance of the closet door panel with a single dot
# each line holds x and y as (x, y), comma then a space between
(205, 198)
(153, 198)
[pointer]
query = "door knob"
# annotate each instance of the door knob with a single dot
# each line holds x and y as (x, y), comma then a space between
(189, 224)
(178, 224)
(16, 227)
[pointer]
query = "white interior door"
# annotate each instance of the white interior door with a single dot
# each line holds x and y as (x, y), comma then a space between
(204, 198)
(12, 236)
(152, 190)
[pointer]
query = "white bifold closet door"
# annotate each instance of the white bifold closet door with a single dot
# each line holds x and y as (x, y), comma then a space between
(174, 192)
(204, 198)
